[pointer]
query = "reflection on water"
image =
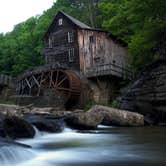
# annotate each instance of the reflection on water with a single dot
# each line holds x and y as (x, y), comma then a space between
(107, 146)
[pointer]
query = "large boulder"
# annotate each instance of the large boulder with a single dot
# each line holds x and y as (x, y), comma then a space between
(15, 127)
(45, 122)
(8, 107)
(84, 120)
(44, 110)
(112, 116)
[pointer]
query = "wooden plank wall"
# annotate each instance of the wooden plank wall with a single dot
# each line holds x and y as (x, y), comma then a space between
(102, 52)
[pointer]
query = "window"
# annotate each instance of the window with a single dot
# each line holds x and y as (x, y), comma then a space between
(46, 58)
(71, 55)
(50, 42)
(91, 39)
(60, 21)
(55, 40)
(70, 37)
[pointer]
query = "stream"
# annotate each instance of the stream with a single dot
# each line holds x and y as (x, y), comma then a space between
(106, 146)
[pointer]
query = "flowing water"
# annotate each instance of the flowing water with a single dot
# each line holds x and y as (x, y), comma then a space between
(106, 146)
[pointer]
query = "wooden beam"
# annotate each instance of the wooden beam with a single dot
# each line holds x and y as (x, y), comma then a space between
(36, 81)
(28, 83)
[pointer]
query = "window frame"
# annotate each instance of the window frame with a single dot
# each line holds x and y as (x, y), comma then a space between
(70, 37)
(60, 21)
(71, 55)
(92, 39)
(50, 42)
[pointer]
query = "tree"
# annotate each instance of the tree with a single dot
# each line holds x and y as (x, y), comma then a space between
(141, 24)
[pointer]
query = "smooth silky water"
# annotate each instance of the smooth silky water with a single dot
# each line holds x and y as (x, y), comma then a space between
(106, 146)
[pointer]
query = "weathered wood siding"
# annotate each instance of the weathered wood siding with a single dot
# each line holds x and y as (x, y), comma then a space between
(57, 45)
(91, 51)
(101, 52)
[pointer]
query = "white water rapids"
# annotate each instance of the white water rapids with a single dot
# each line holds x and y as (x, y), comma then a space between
(103, 147)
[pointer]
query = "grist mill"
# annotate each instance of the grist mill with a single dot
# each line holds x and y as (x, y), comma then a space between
(82, 65)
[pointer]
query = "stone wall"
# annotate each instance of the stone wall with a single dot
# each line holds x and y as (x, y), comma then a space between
(147, 93)
(41, 101)
(104, 89)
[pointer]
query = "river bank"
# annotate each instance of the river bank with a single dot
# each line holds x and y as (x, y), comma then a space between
(17, 122)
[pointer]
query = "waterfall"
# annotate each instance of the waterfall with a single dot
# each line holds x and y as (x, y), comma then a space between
(11, 155)
(37, 132)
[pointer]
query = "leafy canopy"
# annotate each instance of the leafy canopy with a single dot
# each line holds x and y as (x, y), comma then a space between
(142, 24)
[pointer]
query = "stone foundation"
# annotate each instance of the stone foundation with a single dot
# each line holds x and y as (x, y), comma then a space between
(104, 89)
(41, 101)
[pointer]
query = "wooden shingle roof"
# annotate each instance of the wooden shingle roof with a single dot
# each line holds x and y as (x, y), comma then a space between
(81, 25)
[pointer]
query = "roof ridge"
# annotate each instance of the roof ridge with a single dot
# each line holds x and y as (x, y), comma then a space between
(76, 21)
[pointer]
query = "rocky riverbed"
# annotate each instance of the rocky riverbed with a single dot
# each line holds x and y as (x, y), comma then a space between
(24, 128)
(17, 122)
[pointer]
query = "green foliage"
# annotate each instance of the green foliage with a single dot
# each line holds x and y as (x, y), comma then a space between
(113, 104)
(141, 24)
(20, 48)
(7, 102)
(88, 106)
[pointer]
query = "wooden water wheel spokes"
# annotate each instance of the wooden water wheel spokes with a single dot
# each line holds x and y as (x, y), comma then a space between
(60, 82)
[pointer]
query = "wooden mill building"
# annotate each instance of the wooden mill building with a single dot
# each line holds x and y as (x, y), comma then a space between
(82, 48)
(92, 52)
(97, 57)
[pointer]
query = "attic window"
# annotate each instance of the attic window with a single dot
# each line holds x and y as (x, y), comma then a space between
(70, 37)
(71, 55)
(60, 21)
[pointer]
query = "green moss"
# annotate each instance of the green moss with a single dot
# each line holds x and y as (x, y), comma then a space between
(88, 106)
(113, 104)
(7, 102)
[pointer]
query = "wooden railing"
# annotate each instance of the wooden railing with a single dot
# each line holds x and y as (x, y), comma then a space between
(109, 69)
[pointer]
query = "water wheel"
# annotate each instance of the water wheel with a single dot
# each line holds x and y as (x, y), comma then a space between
(61, 82)
(64, 83)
